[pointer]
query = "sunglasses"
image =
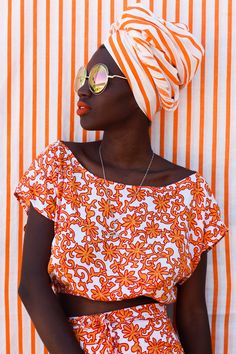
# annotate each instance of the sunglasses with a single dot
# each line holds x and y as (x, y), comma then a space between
(98, 78)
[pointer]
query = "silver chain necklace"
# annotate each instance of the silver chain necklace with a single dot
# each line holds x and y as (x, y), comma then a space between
(113, 232)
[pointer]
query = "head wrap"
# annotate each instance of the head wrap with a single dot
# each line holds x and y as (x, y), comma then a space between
(156, 56)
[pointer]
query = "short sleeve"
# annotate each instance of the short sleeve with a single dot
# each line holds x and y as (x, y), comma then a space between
(38, 184)
(207, 226)
(214, 227)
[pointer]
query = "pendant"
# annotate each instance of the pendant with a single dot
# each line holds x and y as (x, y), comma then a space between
(113, 233)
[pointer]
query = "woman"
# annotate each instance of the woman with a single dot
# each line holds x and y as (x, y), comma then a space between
(116, 231)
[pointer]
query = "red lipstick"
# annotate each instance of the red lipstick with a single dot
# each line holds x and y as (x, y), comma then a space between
(83, 108)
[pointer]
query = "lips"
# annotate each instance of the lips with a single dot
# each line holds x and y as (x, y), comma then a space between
(82, 104)
(83, 108)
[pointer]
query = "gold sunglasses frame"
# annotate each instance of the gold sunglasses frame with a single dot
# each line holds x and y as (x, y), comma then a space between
(88, 76)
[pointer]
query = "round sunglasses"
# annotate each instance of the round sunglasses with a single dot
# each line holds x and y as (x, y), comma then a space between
(98, 78)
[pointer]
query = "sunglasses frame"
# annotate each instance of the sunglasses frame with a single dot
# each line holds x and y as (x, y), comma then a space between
(88, 77)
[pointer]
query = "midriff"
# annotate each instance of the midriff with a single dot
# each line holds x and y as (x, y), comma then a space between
(80, 306)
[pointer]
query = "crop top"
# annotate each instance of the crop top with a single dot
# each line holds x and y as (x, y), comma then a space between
(161, 233)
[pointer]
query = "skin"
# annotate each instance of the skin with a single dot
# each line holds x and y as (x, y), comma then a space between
(116, 113)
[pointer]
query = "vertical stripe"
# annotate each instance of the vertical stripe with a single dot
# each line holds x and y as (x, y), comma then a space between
(8, 171)
(213, 159)
(72, 68)
(47, 71)
(162, 112)
(176, 112)
(34, 120)
(189, 94)
(175, 138)
(226, 178)
(86, 40)
(47, 84)
(99, 41)
(60, 62)
(202, 91)
(112, 11)
(21, 139)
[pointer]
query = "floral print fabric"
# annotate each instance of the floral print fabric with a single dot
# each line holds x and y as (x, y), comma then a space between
(139, 329)
(161, 233)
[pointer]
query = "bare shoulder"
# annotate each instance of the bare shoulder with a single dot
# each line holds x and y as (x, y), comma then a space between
(78, 148)
(169, 171)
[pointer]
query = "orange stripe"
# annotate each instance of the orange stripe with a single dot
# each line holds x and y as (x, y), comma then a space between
(151, 6)
(21, 154)
(34, 121)
(226, 177)
(186, 56)
(162, 112)
(202, 92)
(60, 68)
(112, 11)
(189, 93)
(47, 70)
(213, 182)
(72, 69)
(164, 68)
(99, 36)
(134, 19)
(86, 41)
(9, 117)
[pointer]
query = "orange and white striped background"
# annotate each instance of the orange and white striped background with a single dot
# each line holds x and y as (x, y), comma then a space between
(42, 44)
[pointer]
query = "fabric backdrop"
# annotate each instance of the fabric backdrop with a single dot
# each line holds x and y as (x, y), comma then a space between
(42, 44)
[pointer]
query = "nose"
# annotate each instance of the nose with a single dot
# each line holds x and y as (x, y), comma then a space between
(84, 90)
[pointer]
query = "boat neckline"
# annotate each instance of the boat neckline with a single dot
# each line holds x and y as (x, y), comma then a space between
(174, 184)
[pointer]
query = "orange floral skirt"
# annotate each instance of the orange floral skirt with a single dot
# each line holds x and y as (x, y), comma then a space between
(138, 329)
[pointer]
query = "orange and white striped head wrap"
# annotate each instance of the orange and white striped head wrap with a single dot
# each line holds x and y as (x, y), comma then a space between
(156, 56)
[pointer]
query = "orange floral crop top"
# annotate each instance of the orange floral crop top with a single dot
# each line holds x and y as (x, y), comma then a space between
(162, 232)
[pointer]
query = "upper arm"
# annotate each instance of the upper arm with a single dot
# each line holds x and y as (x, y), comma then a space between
(191, 294)
(39, 233)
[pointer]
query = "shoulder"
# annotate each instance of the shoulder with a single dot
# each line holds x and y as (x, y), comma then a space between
(170, 172)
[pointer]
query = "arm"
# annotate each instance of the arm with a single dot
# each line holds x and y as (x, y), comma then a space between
(191, 312)
(35, 290)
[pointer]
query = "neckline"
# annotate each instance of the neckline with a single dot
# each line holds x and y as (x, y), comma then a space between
(174, 184)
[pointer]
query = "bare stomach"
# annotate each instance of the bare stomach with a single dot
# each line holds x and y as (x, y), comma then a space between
(80, 306)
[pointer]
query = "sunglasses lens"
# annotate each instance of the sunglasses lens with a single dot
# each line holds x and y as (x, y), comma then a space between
(80, 78)
(98, 78)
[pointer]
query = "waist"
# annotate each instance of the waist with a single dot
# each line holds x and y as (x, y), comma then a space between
(80, 306)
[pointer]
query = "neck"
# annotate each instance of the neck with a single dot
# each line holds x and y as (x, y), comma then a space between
(126, 148)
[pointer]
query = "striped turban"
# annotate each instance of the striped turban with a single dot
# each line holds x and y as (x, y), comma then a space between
(156, 56)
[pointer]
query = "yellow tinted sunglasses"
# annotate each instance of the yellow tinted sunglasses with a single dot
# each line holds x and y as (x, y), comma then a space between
(98, 78)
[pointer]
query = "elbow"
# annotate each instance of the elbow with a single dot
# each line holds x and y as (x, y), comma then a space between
(31, 287)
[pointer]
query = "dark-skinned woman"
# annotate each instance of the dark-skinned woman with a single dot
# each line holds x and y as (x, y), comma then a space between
(115, 232)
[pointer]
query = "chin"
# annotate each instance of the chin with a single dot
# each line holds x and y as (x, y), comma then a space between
(88, 124)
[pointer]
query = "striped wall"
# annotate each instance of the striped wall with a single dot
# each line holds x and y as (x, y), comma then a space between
(42, 44)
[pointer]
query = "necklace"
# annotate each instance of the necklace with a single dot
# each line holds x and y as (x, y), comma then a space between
(112, 231)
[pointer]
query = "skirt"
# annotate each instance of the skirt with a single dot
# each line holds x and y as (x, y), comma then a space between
(140, 329)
